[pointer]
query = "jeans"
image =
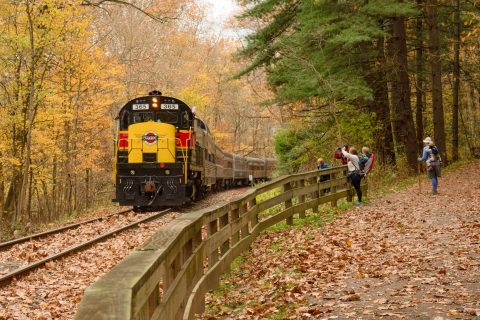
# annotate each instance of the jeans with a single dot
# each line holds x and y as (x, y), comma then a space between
(356, 179)
(434, 183)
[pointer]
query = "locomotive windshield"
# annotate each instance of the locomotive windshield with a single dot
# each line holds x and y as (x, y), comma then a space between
(166, 116)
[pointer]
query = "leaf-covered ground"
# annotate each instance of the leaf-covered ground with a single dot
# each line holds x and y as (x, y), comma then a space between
(409, 255)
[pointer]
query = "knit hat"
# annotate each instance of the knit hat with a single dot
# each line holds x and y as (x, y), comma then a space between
(428, 141)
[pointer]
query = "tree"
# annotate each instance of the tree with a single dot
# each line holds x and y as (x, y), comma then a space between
(420, 77)
(403, 126)
(456, 77)
(332, 54)
(436, 76)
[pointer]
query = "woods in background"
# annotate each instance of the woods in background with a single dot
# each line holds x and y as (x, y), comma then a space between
(67, 67)
(380, 72)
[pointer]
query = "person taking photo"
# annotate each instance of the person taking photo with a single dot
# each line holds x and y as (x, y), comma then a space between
(354, 172)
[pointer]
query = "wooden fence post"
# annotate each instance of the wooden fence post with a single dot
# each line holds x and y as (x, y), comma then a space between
(226, 245)
(234, 215)
(333, 189)
(254, 219)
(288, 203)
(301, 199)
(244, 230)
(213, 256)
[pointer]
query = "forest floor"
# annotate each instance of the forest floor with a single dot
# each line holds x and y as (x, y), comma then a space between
(408, 255)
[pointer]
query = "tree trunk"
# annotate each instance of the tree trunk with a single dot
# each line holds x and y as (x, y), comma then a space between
(29, 197)
(23, 196)
(436, 75)
(2, 191)
(403, 126)
(377, 80)
(419, 85)
(456, 83)
(87, 188)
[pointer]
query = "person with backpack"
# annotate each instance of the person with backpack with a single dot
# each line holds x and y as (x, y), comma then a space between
(338, 155)
(354, 172)
(366, 161)
(433, 161)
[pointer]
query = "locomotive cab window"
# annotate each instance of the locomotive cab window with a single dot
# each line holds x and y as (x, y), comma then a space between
(166, 117)
(124, 121)
(185, 123)
(141, 117)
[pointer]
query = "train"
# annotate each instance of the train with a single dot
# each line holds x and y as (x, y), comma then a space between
(166, 156)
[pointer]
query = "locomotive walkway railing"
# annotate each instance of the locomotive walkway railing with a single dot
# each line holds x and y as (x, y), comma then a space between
(168, 276)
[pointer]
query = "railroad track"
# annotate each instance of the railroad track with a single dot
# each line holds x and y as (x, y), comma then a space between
(5, 279)
(10, 243)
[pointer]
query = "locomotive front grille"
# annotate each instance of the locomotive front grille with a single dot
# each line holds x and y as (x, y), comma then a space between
(149, 157)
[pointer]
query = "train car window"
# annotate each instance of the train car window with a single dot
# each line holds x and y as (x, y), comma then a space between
(166, 116)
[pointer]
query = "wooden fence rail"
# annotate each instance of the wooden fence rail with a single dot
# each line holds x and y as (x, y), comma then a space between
(168, 277)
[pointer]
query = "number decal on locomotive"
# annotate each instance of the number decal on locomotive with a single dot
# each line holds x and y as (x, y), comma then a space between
(141, 106)
(150, 137)
(169, 106)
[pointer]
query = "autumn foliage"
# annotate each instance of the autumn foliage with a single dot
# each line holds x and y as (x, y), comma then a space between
(67, 67)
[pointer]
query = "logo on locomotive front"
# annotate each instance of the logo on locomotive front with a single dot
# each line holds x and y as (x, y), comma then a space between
(150, 137)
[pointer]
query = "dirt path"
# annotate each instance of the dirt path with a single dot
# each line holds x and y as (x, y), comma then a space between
(405, 256)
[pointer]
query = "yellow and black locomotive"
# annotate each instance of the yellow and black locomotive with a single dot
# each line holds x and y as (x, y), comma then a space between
(165, 156)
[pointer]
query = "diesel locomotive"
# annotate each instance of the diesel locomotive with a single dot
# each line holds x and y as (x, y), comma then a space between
(166, 156)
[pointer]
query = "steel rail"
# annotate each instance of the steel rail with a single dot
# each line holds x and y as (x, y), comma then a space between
(53, 231)
(28, 268)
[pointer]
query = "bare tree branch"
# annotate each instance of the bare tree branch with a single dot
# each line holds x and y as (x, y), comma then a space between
(99, 3)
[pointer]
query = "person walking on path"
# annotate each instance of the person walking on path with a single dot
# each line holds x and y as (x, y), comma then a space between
(354, 172)
(432, 160)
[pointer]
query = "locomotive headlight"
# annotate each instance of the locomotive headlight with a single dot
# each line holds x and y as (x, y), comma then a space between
(132, 172)
(155, 105)
(155, 100)
(167, 172)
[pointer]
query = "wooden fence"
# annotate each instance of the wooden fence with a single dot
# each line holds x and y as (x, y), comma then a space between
(168, 276)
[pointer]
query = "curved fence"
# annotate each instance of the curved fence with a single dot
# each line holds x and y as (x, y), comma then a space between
(168, 276)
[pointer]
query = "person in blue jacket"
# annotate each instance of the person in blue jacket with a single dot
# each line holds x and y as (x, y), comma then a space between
(321, 164)
(432, 159)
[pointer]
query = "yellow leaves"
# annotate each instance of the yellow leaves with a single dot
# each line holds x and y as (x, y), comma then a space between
(14, 162)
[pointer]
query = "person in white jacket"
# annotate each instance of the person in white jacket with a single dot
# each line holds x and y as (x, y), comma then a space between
(354, 172)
